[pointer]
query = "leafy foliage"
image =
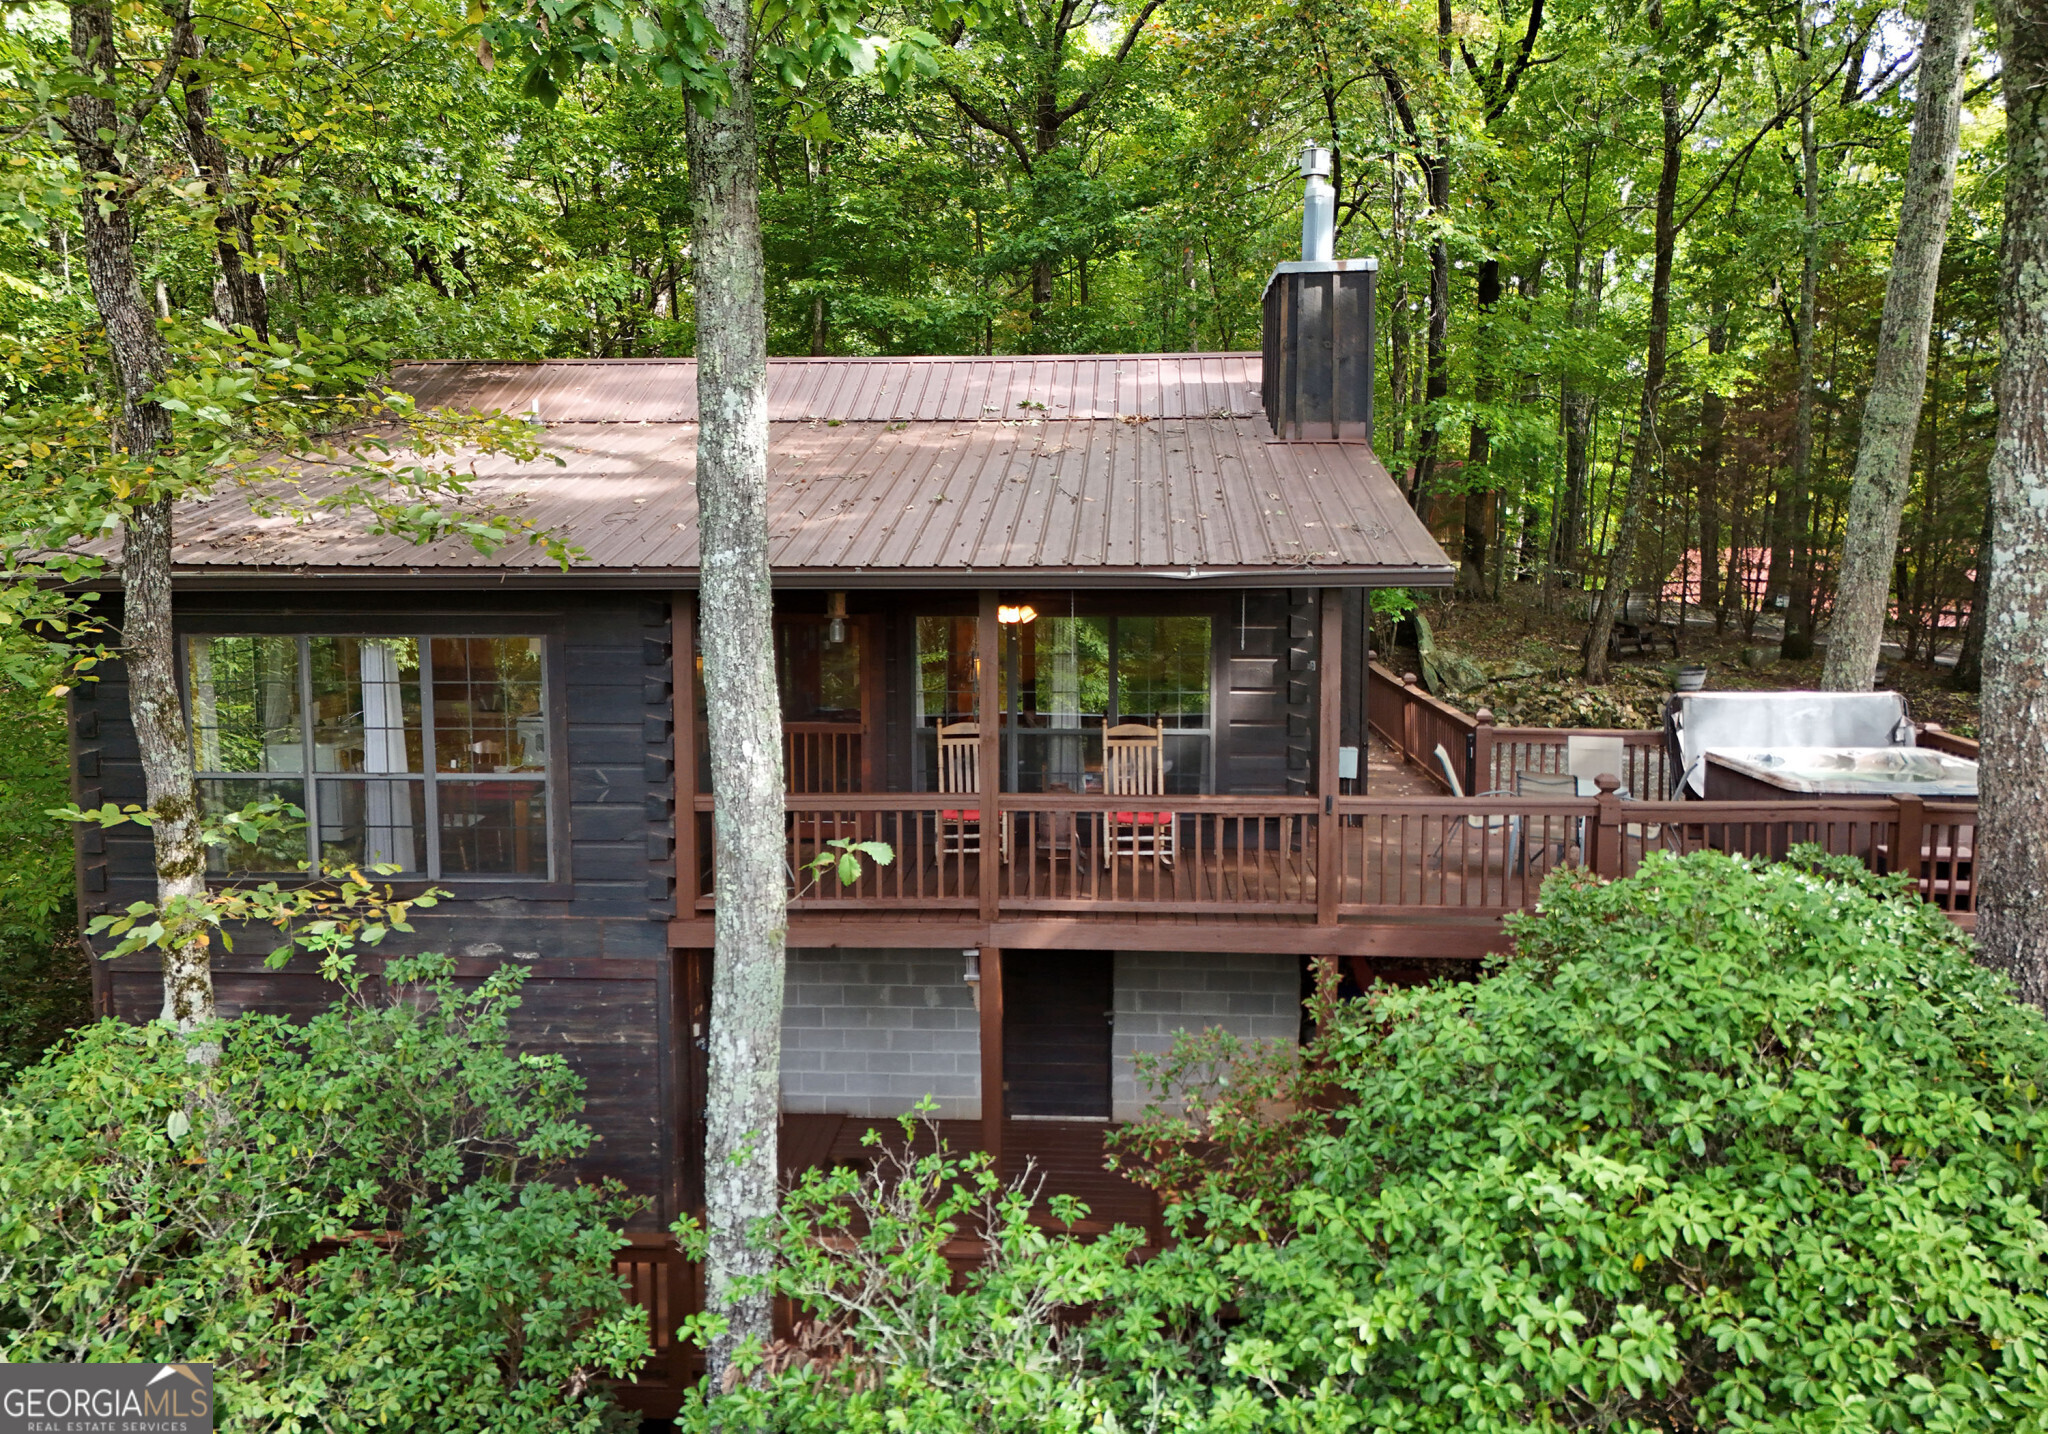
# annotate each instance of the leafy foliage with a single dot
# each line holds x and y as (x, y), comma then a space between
(342, 1216)
(1720, 1147)
(45, 988)
(894, 1340)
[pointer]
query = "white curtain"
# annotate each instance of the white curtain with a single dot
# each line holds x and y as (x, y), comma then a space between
(387, 806)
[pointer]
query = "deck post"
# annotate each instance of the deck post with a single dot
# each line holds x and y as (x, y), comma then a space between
(1912, 842)
(993, 1106)
(1480, 778)
(989, 769)
(682, 668)
(1607, 828)
(1329, 736)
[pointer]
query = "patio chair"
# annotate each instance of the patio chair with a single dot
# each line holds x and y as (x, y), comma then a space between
(960, 774)
(1134, 765)
(1488, 822)
(1553, 784)
(1590, 758)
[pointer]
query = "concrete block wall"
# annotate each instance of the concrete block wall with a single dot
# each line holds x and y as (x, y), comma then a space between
(1253, 995)
(868, 1033)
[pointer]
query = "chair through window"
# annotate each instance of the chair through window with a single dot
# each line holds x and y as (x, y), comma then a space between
(1134, 765)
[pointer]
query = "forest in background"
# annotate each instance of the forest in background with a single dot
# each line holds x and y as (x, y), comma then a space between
(1084, 176)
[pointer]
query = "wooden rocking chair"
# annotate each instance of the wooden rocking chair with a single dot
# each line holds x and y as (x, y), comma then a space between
(960, 774)
(1134, 765)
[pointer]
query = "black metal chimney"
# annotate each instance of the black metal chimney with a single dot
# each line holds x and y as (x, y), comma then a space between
(1316, 377)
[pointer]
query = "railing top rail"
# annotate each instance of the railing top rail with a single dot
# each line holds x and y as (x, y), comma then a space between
(1442, 708)
(1634, 736)
(1466, 806)
(1098, 802)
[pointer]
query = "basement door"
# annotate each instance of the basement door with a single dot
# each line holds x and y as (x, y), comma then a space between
(1057, 1013)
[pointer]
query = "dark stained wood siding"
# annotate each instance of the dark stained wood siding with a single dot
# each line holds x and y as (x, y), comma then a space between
(1252, 760)
(594, 941)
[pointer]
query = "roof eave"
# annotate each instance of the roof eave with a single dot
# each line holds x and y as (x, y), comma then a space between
(216, 579)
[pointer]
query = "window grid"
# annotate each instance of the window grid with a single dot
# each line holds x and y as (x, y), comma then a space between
(428, 780)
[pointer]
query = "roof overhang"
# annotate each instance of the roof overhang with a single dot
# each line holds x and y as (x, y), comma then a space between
(248, 579)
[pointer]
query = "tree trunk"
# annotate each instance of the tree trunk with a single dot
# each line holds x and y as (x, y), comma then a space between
(1621, 556)
(1891, 412)
(739, 683)
(2012, 854)
(1482, 503)
(1797, 643)
(233, 225)
(1578, 425)
(1437, 387)
(142, 431)
(1713, 439)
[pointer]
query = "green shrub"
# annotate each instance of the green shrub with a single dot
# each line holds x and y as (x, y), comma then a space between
(339, 1216)
(1721, 1147)
(890, 1341)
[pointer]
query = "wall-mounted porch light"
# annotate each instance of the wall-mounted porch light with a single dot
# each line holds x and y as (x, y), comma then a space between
(835, 608)
(972, 975)
(1024, 613)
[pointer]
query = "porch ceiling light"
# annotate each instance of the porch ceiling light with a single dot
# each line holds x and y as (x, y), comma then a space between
(835, 608)
(1026, 613)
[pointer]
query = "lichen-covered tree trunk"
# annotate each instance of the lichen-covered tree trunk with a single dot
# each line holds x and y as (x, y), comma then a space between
(1891, 412)
(2012, 851)
(739, 685)
(1649, 451)
(144, 428)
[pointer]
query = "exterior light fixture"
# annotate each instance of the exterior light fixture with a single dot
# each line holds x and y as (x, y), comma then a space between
(1026, 613)
(835, 608)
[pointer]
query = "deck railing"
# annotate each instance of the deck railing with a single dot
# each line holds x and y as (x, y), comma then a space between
(1321, 860)
(1488, 757)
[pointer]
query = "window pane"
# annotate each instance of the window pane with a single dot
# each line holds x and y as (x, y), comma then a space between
(278, 851)
(1062, 702)
(366, 705)
(947, 670)
(373, 823)
(493, 828)
(819, 679)
(1163, 671)
(245, 704)
(487, 705)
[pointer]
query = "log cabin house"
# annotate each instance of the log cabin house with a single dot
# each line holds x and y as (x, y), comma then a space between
(1084, 639)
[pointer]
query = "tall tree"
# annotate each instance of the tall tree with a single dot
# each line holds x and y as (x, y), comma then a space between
(750, 915)
(1429, 140)
(2012, 855)
(107, 125)
(1648, 451)
(1796, 503)
(1891, 411)
(1044, 79)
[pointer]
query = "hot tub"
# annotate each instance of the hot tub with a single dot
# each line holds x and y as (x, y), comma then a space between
(1782, 773)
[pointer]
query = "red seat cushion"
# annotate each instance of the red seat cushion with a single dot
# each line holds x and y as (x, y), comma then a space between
(1142, 819)
(961, 814)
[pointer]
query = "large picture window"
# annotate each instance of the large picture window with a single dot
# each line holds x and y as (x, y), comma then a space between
(1062, 681)
(427, 754)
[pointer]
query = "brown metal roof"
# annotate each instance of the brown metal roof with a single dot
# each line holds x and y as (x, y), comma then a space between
(887, 390)
(1100, 500)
